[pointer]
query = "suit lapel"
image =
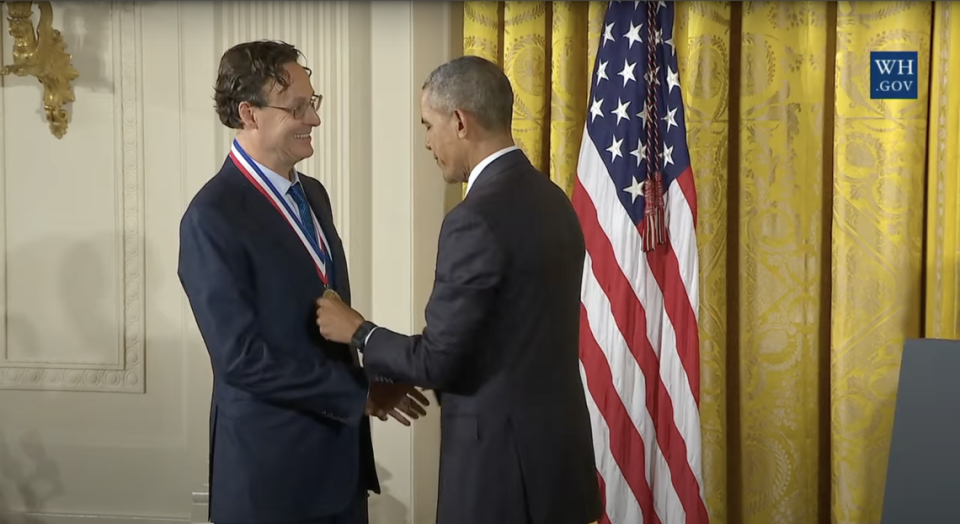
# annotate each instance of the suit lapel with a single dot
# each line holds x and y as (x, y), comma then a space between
(272, 223)
(297, 261)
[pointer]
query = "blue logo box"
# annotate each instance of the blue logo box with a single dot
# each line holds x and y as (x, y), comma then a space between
(893, 75)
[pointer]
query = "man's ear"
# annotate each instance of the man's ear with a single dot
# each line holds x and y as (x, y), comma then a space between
(462, 123)
(247, 115)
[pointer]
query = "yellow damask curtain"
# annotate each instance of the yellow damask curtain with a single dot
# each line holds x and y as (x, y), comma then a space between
(547, 50)
(828, 232)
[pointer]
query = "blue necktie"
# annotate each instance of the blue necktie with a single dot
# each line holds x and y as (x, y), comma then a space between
(296, 191)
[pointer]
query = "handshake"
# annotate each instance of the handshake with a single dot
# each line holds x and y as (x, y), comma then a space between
(396, 400)
(338, 322)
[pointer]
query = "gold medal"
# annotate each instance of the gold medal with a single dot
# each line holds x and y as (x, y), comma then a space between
(331, 294)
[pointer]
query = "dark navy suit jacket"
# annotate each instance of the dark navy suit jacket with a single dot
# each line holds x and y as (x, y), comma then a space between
(501, 346)
(289, 441)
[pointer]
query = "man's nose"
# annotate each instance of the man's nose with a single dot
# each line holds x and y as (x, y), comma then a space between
(312, 117)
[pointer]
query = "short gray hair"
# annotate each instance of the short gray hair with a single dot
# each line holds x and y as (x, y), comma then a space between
(474, 85)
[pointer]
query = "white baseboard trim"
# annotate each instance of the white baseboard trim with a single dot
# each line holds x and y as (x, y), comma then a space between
(198, 515)
(199, 511)
(56, 518)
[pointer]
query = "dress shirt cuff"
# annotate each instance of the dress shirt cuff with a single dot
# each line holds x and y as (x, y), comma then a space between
(367, 338)
(359, 350)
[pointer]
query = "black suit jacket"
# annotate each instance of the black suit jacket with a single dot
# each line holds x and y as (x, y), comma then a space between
(501, 346)
(289, 441)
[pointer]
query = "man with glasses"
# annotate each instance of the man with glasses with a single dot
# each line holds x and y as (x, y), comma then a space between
(289, 432)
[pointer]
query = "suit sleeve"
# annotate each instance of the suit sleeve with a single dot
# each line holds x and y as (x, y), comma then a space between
(212, 271)
(470, 267)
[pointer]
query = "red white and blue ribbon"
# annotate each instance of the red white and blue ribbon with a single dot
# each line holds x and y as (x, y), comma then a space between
(318, 252)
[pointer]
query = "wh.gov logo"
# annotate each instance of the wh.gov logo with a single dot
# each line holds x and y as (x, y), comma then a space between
(893, 75)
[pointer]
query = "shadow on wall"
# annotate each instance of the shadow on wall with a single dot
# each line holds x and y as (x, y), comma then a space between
(385, 508)
(29, 478)
(82, 300)
(89, 32)
(26, 486)
(87, 29)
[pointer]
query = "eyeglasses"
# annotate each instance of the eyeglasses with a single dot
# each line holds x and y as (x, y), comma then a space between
(300, 111)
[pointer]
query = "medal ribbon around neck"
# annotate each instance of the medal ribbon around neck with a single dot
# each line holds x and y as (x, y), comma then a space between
(252, 172)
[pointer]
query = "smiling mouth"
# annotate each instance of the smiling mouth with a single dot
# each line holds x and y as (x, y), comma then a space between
(306, 135)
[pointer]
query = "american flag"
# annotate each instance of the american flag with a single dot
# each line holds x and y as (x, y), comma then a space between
(639, 345)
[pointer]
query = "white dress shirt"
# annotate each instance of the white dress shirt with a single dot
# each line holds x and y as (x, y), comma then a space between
(283, 185)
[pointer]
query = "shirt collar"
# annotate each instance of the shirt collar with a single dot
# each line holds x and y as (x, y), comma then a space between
(279, 181)
(483, 164)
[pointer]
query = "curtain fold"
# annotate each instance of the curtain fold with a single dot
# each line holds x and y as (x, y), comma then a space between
(942, 254)
(828, 230)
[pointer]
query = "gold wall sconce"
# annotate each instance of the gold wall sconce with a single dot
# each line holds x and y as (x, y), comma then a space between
(41, 53)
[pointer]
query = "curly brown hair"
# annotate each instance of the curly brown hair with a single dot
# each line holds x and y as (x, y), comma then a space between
(246, 71)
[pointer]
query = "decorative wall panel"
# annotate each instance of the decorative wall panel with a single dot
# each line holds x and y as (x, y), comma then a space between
(71, 227)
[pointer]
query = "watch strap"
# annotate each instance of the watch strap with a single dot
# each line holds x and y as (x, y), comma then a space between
(360, 335)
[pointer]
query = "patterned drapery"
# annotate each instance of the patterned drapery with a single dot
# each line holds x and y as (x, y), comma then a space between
(829, 223)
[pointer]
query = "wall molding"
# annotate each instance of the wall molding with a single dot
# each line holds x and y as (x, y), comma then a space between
(67, 518)
(126, 374)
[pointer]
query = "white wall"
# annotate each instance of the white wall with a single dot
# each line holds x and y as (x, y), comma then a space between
(104, 381)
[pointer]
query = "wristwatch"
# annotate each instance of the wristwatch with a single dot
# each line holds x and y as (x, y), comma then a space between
(360, 335)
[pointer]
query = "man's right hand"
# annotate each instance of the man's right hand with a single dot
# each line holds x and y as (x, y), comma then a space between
(396, 400)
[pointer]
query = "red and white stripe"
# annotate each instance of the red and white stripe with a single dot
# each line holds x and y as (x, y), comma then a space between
(255, 177)
(640, 351)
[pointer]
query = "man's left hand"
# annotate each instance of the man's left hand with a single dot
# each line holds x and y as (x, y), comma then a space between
(396, 400)
(336, 320)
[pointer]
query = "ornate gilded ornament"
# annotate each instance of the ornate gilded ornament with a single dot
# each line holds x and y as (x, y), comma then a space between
(42, 54)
